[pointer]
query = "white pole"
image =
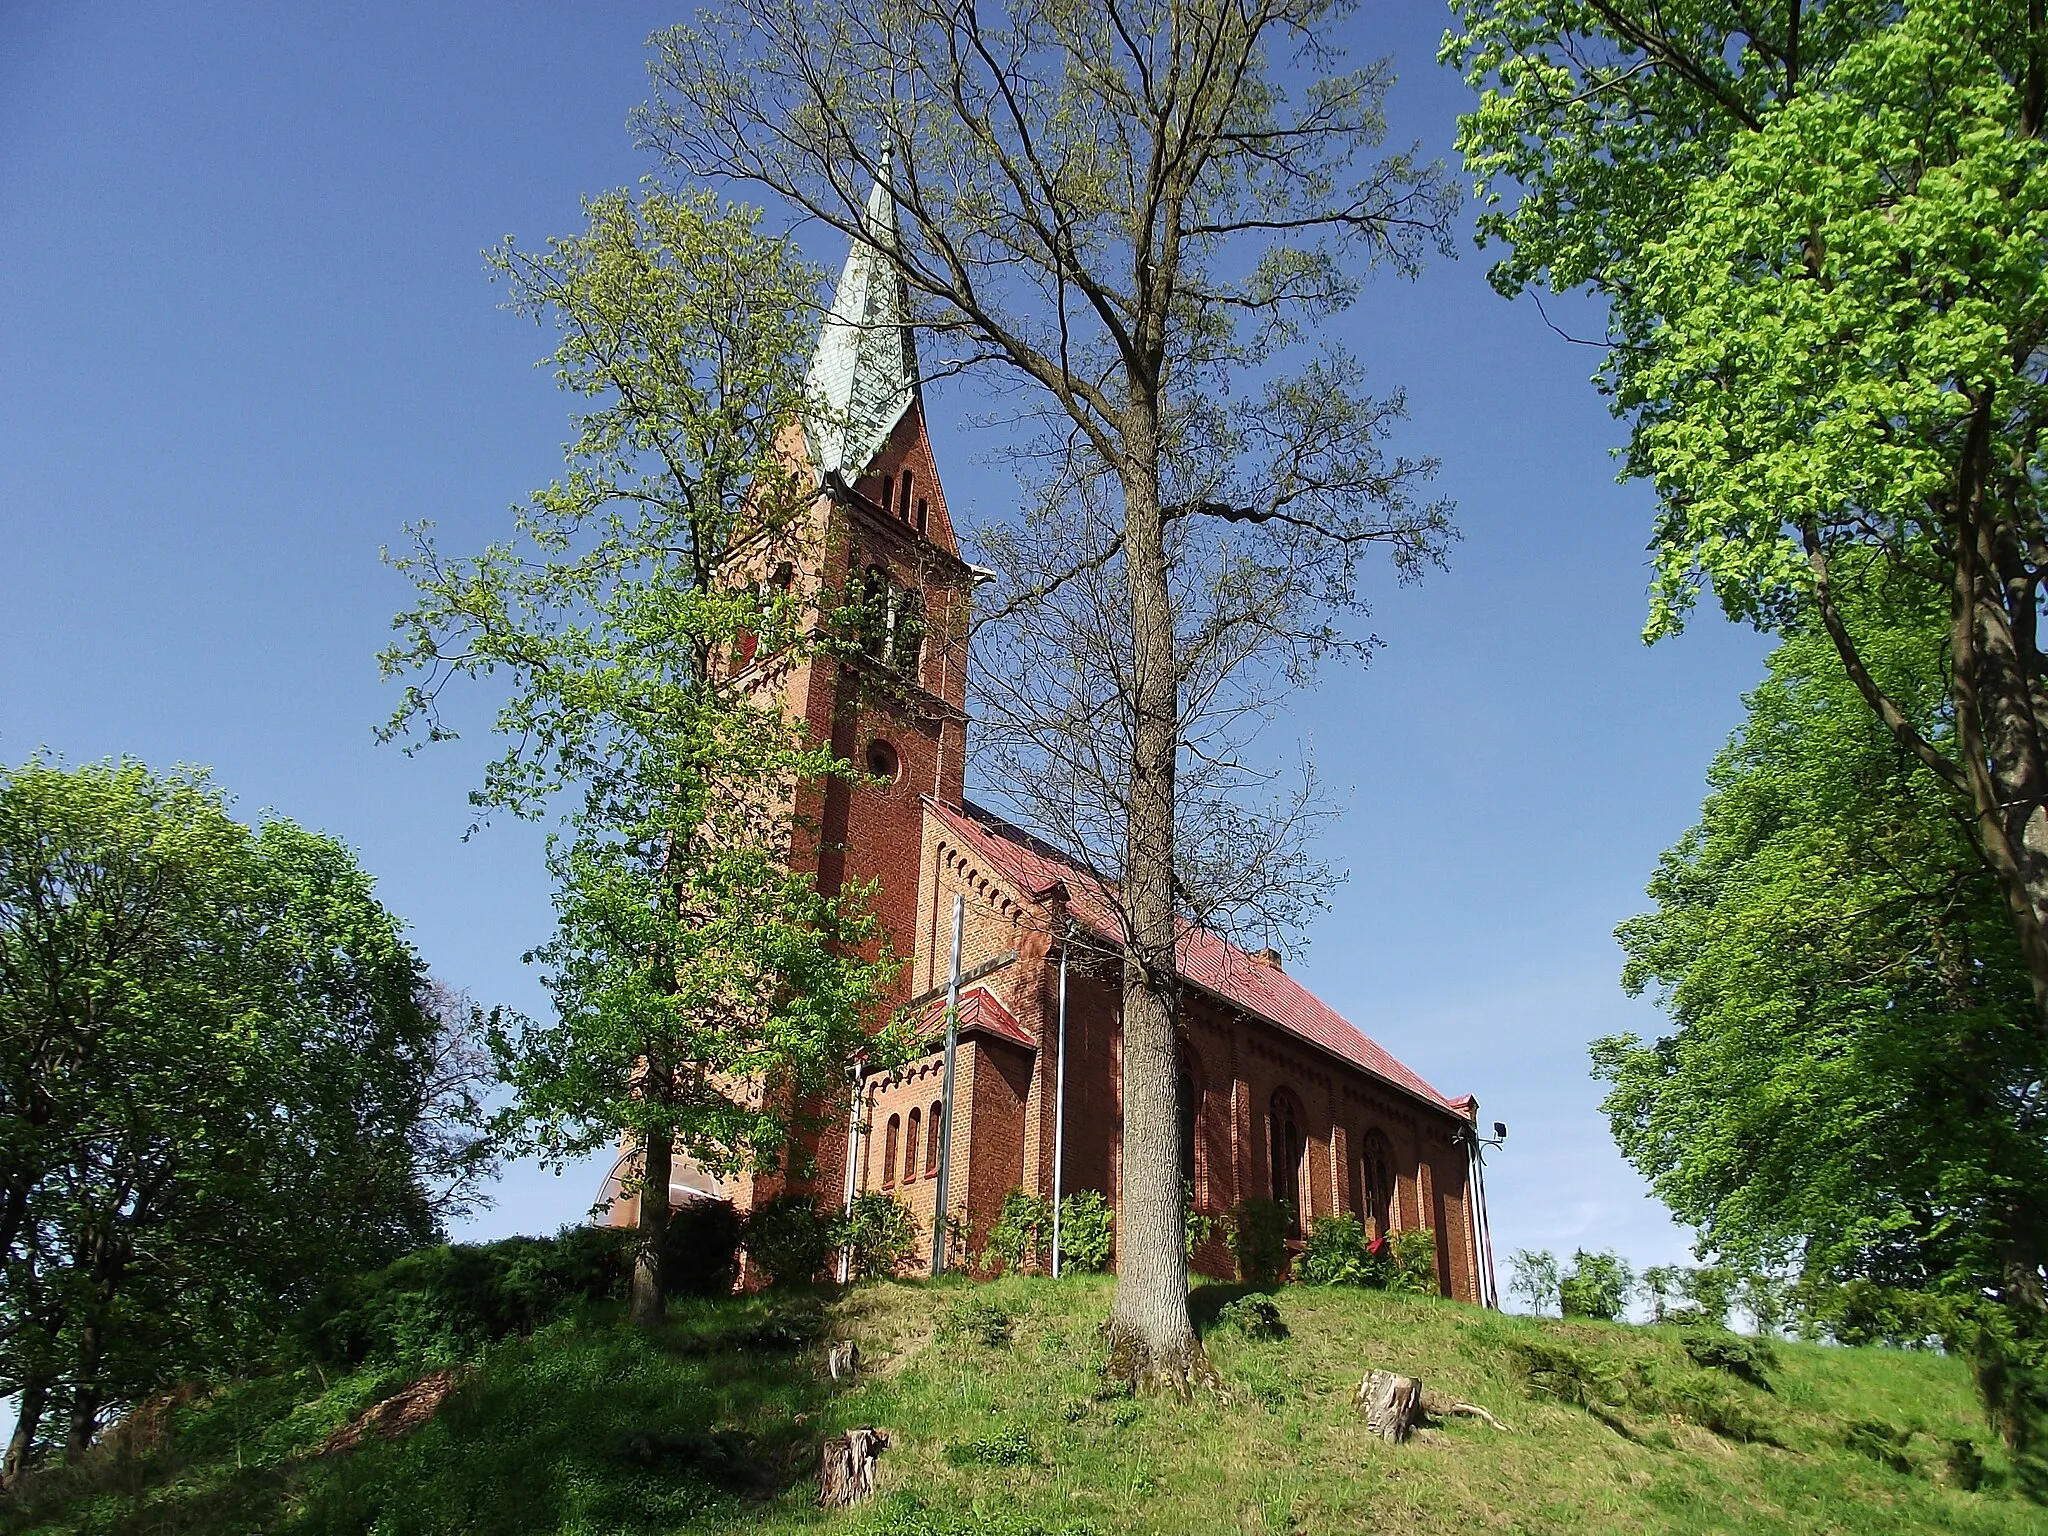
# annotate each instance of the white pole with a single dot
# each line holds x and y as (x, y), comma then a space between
(852, 1165)
(1059, 1109)
(941, 1200)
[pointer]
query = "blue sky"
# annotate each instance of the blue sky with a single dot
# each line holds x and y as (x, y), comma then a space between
(246, 336)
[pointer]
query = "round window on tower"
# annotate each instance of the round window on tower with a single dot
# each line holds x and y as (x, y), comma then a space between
(882, 761)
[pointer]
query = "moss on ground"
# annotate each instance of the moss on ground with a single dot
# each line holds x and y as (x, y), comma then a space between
(588, 1429)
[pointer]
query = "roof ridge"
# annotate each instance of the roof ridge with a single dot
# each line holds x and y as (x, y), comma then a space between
(1207, 960)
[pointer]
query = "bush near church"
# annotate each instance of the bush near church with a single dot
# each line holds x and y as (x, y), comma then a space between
(1258, 1237)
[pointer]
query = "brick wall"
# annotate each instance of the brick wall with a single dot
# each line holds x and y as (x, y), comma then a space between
(1004, 1092)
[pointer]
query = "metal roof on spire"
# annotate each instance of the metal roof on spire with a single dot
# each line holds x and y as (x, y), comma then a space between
(864, 374)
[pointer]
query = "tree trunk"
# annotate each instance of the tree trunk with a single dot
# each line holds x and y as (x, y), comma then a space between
(1396, 1406)
(1151, 1337)
(1992, 637)
(84, 1422)
(35, 1396)
(649, 1303)
(1392, 1404)
(846, 1467)
(86, 1392)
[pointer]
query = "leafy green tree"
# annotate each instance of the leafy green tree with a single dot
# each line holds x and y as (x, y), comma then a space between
(1533, 1276)
(1852, 1082)
(708, 995)
(215, 1057)
(1657, 1285)
(1598, 1285)
(1709, 1292)
(1127, 211)
(1822, 236)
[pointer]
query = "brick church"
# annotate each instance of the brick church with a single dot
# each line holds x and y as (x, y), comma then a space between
(1282, 1097)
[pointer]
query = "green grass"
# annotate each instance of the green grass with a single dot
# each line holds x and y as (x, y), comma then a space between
(712, 1425)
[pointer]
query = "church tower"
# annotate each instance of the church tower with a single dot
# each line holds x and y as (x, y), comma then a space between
(898, 707)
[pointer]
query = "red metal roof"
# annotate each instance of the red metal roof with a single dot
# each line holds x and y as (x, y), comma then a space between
(978, 1011)
(1207, 960)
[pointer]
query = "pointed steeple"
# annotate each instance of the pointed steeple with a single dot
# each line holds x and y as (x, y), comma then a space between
(864, 374)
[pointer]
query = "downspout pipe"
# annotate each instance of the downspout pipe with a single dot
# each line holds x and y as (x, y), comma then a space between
(1059, 1107)
(860, 1072)
(942, 1203)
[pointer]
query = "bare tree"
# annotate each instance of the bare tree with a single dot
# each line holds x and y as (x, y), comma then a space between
(1252, 616)
(454, 1156)
(1124, 209)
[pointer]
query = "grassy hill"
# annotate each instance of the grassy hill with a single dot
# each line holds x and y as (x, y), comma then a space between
(1002, 1426)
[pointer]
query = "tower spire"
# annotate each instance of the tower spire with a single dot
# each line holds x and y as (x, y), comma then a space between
(864, 374)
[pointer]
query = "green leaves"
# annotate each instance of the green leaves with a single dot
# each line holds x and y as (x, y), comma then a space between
(628, 583)
(1866, 266)
(1850, 1074)
(214, 1057)
(646, 614)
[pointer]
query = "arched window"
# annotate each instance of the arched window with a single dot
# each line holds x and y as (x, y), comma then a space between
(924, 513)
(906, 633)
(874, 612)
(1285, 1149)
(910, 1147)
(889, 1145)
(1376, 1177)
(931, 1146)
(903, 498)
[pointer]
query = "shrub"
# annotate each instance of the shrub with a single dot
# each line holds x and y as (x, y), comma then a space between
(1731, 1352)
(1567, 1375)
(1598, 1286)
(1338, 1253)
(1412, 1261)
(444, 1303)
(1022, 1234)
(1863, 1312)
(1087, 1231)
(1659, 1283)
(1258, 1237)
(879, 1234)
(788, 1239)
(2007, 1347)
(978, 1319)
(1253, 1316)
(1199, 1226)
(1605, 1386)
(700, 1250)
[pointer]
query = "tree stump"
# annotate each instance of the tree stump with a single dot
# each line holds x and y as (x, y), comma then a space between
(846, 1466)
(1392, 1404)
(1396, 1406)
(842, 1359)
